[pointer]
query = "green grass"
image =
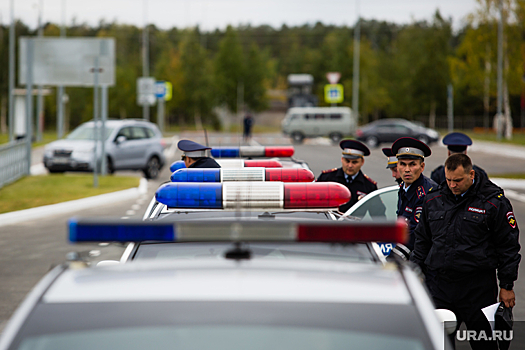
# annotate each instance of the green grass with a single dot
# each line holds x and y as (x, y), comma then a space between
(35, 191)
(47, 137)
(509, 175)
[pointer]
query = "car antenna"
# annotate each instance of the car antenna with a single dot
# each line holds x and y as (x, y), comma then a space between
(206, 137)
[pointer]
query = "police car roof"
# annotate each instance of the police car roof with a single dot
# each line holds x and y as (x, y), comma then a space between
(254, 280)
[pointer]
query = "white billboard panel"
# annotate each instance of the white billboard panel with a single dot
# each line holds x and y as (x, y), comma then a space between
(68, 61)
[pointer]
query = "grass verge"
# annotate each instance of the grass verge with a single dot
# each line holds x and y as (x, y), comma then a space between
(35, 191)
(509, 175)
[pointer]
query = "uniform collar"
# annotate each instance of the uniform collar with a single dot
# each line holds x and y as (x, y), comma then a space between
(411, 191)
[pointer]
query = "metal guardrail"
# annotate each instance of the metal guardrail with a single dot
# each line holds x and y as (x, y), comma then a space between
(13, 162)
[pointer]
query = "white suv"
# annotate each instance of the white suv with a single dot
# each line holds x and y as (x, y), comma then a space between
(129, 145)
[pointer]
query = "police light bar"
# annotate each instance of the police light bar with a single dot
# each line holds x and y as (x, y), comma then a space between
(177, 165)
(252, 151)
(118, 230)
(252, 195)
(243, 174)
(234, 163)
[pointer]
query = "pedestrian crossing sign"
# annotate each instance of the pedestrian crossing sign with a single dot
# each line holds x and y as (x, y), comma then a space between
(333, 93)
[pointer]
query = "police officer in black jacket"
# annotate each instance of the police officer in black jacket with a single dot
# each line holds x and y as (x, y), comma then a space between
(350, 174)
(456, 142)
(194, 155)
(391, 164)
(468, 231)
(411, 155)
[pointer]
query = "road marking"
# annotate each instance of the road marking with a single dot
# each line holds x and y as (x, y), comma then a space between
(515, 195)
(130, 212)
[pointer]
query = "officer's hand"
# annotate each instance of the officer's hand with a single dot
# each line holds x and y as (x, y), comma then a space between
(508, 297)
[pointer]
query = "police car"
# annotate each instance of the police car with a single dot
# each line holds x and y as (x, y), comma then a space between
(255, 201)
(240, 301)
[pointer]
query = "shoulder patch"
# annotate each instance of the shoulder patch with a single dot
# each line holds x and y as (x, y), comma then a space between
(500, 195)
(369, 179)
(421, 192)
(511, 219)
(329, 171)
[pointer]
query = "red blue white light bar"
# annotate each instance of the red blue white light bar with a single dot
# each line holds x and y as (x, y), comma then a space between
(118, 230)
(253, 195)
(252, 151)
(235, 163)
(243, 174)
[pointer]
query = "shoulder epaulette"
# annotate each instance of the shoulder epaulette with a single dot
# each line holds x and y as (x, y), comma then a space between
(369, 179)
(329, 170)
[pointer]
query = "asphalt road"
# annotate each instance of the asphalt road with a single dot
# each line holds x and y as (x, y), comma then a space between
(30, 249)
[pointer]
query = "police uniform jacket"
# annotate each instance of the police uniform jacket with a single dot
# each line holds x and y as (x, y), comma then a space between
(476, 231)
(360, 186)
(438, 175)
(205, 162)
(410, 203)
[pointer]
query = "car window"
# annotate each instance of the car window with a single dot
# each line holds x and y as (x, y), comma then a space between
(336, 116)
(319, 116)
(86, 132)
(149, 133)
(125, 132)
(138, 133)
(366, 210)
(223, 325)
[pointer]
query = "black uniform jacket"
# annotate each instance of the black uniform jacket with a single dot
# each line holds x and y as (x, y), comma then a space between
(438, 175)
(410, 203)
(475, 232)
(360, 186)
(205, 162)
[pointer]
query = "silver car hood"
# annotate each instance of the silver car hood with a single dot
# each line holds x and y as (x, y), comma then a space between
(72, 145)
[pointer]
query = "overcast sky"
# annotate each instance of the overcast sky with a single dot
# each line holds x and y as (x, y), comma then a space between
(210, 14)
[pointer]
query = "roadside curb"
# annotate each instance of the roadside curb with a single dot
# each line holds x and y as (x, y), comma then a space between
(47, 211)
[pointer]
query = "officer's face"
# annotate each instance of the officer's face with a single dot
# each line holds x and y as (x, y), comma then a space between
(410, 169)
(352, 166)
(395, 173)
(458, 180)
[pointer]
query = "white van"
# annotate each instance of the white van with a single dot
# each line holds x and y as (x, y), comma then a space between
(334, 122)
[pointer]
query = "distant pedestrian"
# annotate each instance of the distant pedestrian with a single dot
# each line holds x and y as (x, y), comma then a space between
(247, 124)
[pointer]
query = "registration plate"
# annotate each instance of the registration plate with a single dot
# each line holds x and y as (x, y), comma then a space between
(60, 160)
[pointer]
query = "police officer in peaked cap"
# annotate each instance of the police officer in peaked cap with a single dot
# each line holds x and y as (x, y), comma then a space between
(411, 155)
(350, 174)
(456, 142)
(392, 164)
(195, 156)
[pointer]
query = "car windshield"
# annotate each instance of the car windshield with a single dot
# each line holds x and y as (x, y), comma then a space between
(312, 251)
(366, 209)
(86, 132)
(222, 325)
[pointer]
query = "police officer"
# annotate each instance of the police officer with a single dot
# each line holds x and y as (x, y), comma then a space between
(350, 174)
(467, 231)
(456, 142)
(194, 155)
(411, 155)
(392, 164)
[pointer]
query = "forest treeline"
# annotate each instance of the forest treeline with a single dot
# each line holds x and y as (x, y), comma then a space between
(404, 69)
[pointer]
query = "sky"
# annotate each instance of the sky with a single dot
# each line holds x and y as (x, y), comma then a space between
(212, 14)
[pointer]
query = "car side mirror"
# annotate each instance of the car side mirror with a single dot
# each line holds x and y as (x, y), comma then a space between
(448, 318)
(120, 139)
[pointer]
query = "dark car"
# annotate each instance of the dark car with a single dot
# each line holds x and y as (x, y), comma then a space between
(389, 130)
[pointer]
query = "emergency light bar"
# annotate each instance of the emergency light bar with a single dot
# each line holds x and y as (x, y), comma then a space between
(244, 174)
(118, 230)
(252, 151)
(234, 163)
(253, 195)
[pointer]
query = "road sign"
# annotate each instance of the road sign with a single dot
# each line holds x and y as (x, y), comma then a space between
(68, 61)
(160, 89)
(169, 91)
(333, 77)
(333, 93)
(146, 91)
